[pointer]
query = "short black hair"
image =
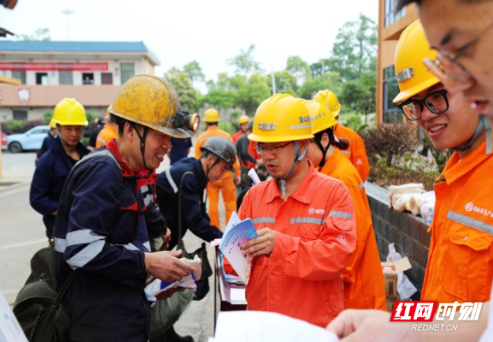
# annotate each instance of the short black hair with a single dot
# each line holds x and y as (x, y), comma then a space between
(403, 3)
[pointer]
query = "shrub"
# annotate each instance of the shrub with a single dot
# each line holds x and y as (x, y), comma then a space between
(15, 125)
(30, 124)
(5, 128)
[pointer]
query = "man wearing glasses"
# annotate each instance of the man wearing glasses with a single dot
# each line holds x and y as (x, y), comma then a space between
(305, 221)
(461, 249)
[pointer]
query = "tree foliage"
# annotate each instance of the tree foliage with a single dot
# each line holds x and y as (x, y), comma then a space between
(298, 67)
(244, 63)
(187, 94)
(194, 71)
(40, 34)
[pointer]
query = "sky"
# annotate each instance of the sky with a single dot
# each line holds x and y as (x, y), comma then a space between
(210, 32)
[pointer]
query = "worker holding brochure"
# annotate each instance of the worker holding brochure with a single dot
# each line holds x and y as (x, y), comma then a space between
(305, 221)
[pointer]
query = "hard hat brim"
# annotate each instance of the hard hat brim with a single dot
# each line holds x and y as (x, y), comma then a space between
(408, 93)
(172, 132)
(265, 139)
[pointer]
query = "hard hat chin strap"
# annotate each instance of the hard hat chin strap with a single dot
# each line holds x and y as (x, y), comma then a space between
(142, 144)
(60, 135)
(482, 125)
(298, 157)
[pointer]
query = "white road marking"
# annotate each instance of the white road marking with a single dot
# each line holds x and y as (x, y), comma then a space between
(22, 244)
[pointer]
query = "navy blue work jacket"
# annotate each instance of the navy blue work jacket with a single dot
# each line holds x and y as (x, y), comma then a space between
(194, 213)
(49, 177)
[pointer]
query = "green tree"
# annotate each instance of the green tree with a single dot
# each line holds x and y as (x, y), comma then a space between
(354, 50)
(360, 94)
(286, 82)
(218, 98)
(298, 67)
(194, 71)
(330, 80)
(39, 34)
(244, 63)
(319, 68)
(252, 92)
(187, 94)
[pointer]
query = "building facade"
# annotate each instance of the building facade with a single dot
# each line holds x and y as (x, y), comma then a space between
(390, 26)
(91, 72)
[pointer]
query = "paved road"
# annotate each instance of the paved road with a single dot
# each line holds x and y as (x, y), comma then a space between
(22, 234)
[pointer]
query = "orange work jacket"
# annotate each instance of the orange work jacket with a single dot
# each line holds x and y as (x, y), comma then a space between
(315, 237)
(364, 287)
(460, 259)
(356, 152)
(105, 135)
(214, 131)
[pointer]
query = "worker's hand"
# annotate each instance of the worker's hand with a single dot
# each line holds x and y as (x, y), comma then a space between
(54, 212)
(166, 238)
(263, 244)
(368, 325)
(166, 266)
(238, 180)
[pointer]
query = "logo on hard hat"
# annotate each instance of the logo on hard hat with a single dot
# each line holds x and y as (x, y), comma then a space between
(267, 126)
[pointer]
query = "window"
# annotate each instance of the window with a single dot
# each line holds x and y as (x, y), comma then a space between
(87, 78)
(391, 15)
(106, 78)
(128, 71)
(20, 75)
(391, 113)
(20, 114)
(66, 77)
(42, 78)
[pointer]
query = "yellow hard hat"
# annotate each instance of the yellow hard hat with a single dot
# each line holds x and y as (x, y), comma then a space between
(69, 112)
(149, 101)
(281, 117)
(244, 119)
(412, 75)
(211, 115)
(321, 117)
(329, 99)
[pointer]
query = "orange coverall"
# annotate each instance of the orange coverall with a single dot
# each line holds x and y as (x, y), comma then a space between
(460, 259)
(315, 238)
(226, 184)
(106, 134)
(364, 287)
(356, 152)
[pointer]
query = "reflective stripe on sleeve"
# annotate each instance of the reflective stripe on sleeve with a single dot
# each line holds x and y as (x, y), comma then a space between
(307, 220)
(60, 245)
(471, 222)
(83, 236)
(346, 152)
(86, 254)
(171, 181)
(361, 186)
(342, 214)
(264, 220)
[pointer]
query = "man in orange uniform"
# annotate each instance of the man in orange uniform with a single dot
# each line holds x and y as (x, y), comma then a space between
(226, 184)
(364, 287)
(243, 122)
(109, 131)
(356, 152)
(305, 221)
(462, 226)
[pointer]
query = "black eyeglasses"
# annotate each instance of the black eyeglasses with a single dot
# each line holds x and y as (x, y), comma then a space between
(436, 102)
(273, 149)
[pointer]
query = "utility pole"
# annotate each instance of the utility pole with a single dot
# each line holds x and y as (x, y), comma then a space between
(68, 12)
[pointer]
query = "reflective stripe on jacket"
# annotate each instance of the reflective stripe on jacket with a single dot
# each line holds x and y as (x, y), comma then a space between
(460, 259)
(364, 286)
(356, 152)
(315, 237)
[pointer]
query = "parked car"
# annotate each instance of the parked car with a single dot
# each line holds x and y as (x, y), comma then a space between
(31, 140)
(4, 141)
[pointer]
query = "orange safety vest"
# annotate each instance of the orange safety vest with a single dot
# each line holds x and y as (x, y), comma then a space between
(356, 152)
(315, 237)
(460, 259)
(364, 287)
(105, 135)
(214, 131)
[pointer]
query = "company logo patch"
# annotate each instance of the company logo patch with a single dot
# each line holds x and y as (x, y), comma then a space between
(471, 207)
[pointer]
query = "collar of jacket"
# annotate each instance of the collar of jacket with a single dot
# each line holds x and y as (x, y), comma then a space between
(199, 171)
(457, 168)
(303, 193)
(331, 163)
(143, 176)
(57, 146)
